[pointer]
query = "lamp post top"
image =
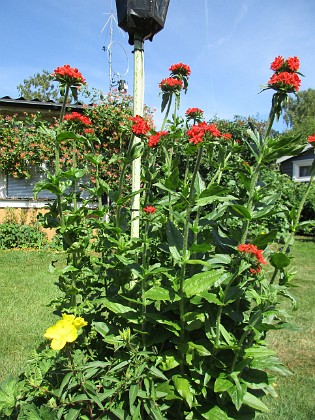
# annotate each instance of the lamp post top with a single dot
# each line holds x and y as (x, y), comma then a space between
(142, 17)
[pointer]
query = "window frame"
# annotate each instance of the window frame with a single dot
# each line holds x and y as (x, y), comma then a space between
(296, 169)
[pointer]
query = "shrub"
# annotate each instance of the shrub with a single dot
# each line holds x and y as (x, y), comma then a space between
(14, 235)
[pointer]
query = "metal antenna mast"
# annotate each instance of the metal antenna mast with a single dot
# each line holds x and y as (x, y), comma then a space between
(109, 49)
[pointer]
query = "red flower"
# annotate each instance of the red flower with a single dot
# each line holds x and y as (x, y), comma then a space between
(75, 116)
(149, 209)
(227, 136)
(89, 130)
(255, 271)
(293, 63)
(139, 126)
(171, 85)
(253, 251)
(277, 63)
(285, 82)
(68, 75)
(180, 69)
(311, 139)
(194, 113)
(155, 138)
(197, 132)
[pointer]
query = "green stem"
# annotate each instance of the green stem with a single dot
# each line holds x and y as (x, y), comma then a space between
(143, 284)
(74, 182)
(121, 181)
(57, 156)
(256, 173)
(298, 214)
(185, 250)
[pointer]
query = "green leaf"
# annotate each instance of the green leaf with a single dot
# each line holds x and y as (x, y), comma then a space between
(65, 135)
(172, 181)
(237, 393)
(201, 282)
(279, 260)
(71, 415)
(254, 402)
(160, 293)
(168, 361)
(166, 98)
(136, 414)
(157, 373)
(212, 194)
(215, 414)
(222, 385)
(133, 393)
(258, 352)
(118, 308)
(261, 241)
(243, 211)
(264, 212)
(174, 240)
(8, 394)
(200, 185)
(182, 386)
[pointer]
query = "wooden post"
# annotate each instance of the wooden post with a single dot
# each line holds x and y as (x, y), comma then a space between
(138, 103)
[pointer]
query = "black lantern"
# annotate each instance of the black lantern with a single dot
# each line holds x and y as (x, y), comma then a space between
(142, 17)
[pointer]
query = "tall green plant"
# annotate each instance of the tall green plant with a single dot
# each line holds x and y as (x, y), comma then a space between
(174, 321)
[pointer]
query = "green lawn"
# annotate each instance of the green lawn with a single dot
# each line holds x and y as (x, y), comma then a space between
(26, 288)
(297, 348)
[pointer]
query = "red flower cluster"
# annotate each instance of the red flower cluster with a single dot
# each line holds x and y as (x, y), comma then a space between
(149, 209)
(194, 113)
(285, 79)
(180, 69)
(68, 75)
(139, 127)
(253, 251)
(75, 116)
(197, 132)
(311, 139)
(155, 138)
(280, 64)
(171, 85)
(89, 130)
(285, 82)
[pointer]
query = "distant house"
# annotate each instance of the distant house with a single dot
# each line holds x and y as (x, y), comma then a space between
(15, 192)
(298, 168)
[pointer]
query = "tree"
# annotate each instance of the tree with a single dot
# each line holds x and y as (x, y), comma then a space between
(299, 113)
(39, 86)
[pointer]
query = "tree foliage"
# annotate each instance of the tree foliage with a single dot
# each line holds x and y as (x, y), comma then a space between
(39, 86)
(299, 112)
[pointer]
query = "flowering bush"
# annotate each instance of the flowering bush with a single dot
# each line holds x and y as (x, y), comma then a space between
(177, 317)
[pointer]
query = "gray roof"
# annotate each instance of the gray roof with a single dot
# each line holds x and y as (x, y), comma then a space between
(284, 158)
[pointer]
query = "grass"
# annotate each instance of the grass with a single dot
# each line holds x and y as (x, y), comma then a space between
(26, 288)
(296, 349)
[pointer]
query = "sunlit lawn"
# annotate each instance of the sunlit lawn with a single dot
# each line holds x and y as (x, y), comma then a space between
(27, 287)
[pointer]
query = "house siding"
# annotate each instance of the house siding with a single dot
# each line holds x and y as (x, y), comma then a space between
(286, 166)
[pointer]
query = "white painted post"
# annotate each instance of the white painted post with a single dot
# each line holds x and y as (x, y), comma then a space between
(138, 103)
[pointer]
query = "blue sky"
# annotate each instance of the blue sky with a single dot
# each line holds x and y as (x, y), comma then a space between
(229, 45)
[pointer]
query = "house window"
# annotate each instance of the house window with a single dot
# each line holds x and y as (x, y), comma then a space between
(302, 170)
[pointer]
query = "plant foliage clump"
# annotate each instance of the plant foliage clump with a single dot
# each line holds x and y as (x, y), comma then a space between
(171, 322)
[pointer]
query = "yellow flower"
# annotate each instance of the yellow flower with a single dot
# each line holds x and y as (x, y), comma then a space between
(64, 331)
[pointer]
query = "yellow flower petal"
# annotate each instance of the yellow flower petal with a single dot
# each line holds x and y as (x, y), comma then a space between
(58, 344)
(79, 322)
(67, 317)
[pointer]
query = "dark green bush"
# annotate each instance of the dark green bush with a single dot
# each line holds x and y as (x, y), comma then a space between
(14, 235)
